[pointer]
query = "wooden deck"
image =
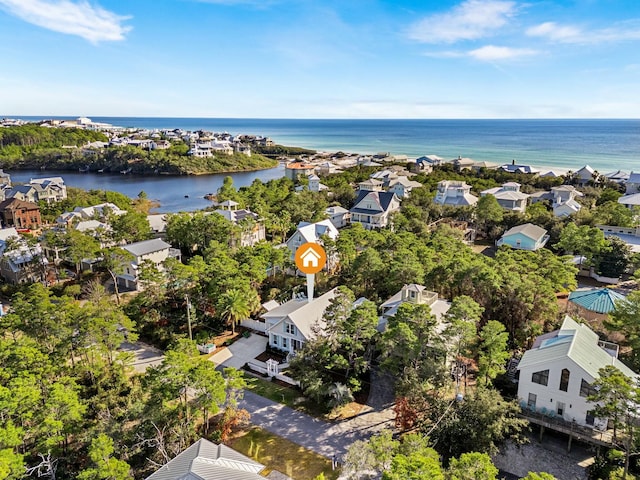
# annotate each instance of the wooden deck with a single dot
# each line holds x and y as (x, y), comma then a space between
(573, 430)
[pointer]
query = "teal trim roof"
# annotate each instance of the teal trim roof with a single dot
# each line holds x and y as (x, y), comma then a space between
(599, 300)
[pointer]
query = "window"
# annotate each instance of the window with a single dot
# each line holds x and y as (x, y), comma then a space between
(586, 389)
(285, 342)
(290, 328)
(276, 340)
(564, 380)
(541, 377)
(531, 402)
(589, 418)
(560, 409)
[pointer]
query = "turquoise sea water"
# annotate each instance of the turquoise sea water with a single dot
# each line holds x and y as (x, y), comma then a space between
(606, 145)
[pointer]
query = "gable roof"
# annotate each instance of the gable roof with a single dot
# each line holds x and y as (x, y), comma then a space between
(205, 460)
(634, 177)
(528, 230)
(146, 247)
(599, 300)
(577, 342)
(302, 313)
(632, 199)
(382, 200)
(311, 232)
(15, 204)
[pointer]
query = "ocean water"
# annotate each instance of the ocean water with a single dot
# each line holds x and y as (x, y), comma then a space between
(606, 145)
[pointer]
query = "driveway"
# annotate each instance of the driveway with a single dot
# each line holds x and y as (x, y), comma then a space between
(145, 356)
(240, 352)
(325, 438)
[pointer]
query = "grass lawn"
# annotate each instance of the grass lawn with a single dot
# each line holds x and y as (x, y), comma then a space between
(277, 453)
(287, 396)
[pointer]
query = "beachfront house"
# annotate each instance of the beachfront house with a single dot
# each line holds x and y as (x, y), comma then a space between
(557, 373)
(155, 251)
(633, 183)
(524, 237)
(416, 294)
(516, 168)
(564, 200)
(455, 193)
(374, 209)
(617, 177)
(584, 175)
(205, 460)
(291, 324)
(461, 163)
(509, 196)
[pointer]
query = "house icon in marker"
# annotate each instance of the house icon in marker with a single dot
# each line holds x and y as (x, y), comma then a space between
(310, 258)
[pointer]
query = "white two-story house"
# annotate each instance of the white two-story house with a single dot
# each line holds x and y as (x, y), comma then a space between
(155, 251)
(509, 196)
(374, 209)
(455, 193)
(564, 200)
(291, 324)
(557, 373)
(416, 294)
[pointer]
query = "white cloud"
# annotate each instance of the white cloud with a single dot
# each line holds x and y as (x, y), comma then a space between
(623, 31)
(488, 53)
(470, 20)
(91, 22)
(491, 53)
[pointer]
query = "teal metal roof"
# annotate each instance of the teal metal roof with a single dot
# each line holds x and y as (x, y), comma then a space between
(599, 300)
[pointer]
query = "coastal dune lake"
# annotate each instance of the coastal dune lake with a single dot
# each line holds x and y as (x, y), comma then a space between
(169, 190)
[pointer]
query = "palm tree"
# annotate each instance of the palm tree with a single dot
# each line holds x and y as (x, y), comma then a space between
(234, 306)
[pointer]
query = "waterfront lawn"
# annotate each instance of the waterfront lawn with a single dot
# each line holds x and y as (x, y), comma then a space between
(277, 453)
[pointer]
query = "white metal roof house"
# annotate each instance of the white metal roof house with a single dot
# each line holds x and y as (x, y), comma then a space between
(633, 183)
(291, 324)
(524, 237)
(455, 193)
(155, 250)
(413, 293)
(557, 372)
(509, 196)
(205, 460)
(402, 186)
(630, 201)
(338, 215)
(564, 200)
(311, 233)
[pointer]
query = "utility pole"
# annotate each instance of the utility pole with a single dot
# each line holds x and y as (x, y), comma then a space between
(189, 316)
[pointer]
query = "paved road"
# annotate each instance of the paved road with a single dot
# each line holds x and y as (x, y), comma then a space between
(324, 438)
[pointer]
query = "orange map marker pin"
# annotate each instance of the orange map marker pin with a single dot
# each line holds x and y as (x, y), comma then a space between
(310, 258)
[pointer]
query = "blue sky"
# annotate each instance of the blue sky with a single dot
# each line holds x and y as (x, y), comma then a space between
(329, 59)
